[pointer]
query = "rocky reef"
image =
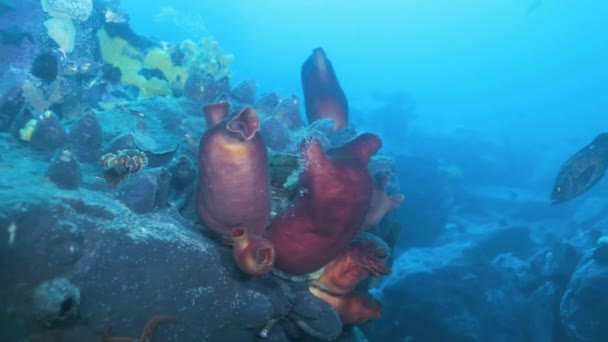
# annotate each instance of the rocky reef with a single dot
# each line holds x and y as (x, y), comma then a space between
(146, 194)
(118, 222)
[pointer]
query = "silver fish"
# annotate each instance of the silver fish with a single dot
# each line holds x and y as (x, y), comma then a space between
(582, 171)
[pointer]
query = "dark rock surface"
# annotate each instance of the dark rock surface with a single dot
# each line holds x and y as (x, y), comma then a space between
(497, 285)
(585, 303)
(75, 262)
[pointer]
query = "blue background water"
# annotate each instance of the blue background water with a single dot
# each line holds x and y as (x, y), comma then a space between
(528, 73)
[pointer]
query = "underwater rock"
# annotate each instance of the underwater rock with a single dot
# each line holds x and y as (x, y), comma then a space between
(145, 191)
(122, 142)
(557, 262)
(488, 283)
(244, 92)
(86, 137)
(183, 173)
(584, 302)
(47, 133)
(9, 110)
(56, 300)
(275, 134)
(429, 200)
(64, 170)
(315, 317)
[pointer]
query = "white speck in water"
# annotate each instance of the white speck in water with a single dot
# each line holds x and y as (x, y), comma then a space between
(12, 231)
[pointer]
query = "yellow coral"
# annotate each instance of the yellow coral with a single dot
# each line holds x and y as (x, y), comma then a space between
(154, 87)
(188, 48)
(160, 59)
(26, 132)
(206, 56)
(62, 31)
(121, 54)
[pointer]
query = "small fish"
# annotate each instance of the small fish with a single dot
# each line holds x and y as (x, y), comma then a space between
(582, 171)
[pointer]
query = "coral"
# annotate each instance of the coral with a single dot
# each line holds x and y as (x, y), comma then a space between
(276, 134)
(382, 202)
(205, 88)
(120, 165)
(289, 110)
(266, 103)
(323, 95)
(68, 9)
(244, 92)
(41, 96)
(86, 135)
(64, 170)
(47, 134)
(335, 192)
(161, 60)
(367, 255)
(172, 76)
(253, 255)
(119, 53)
(233, 189)
(56, 300)
(353, 308)
(26, 132)
(45, 67)
(207, 57)
(62, 31)
(154, 87)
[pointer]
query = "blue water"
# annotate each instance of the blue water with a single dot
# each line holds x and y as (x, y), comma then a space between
(519, 69)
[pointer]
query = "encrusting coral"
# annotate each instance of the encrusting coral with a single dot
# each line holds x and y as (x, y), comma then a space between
(176, 63)
(120, 165)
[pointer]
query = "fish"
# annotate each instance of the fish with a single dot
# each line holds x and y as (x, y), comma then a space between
(582, 171)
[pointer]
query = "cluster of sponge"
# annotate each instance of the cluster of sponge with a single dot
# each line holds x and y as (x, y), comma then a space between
(176, 63)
